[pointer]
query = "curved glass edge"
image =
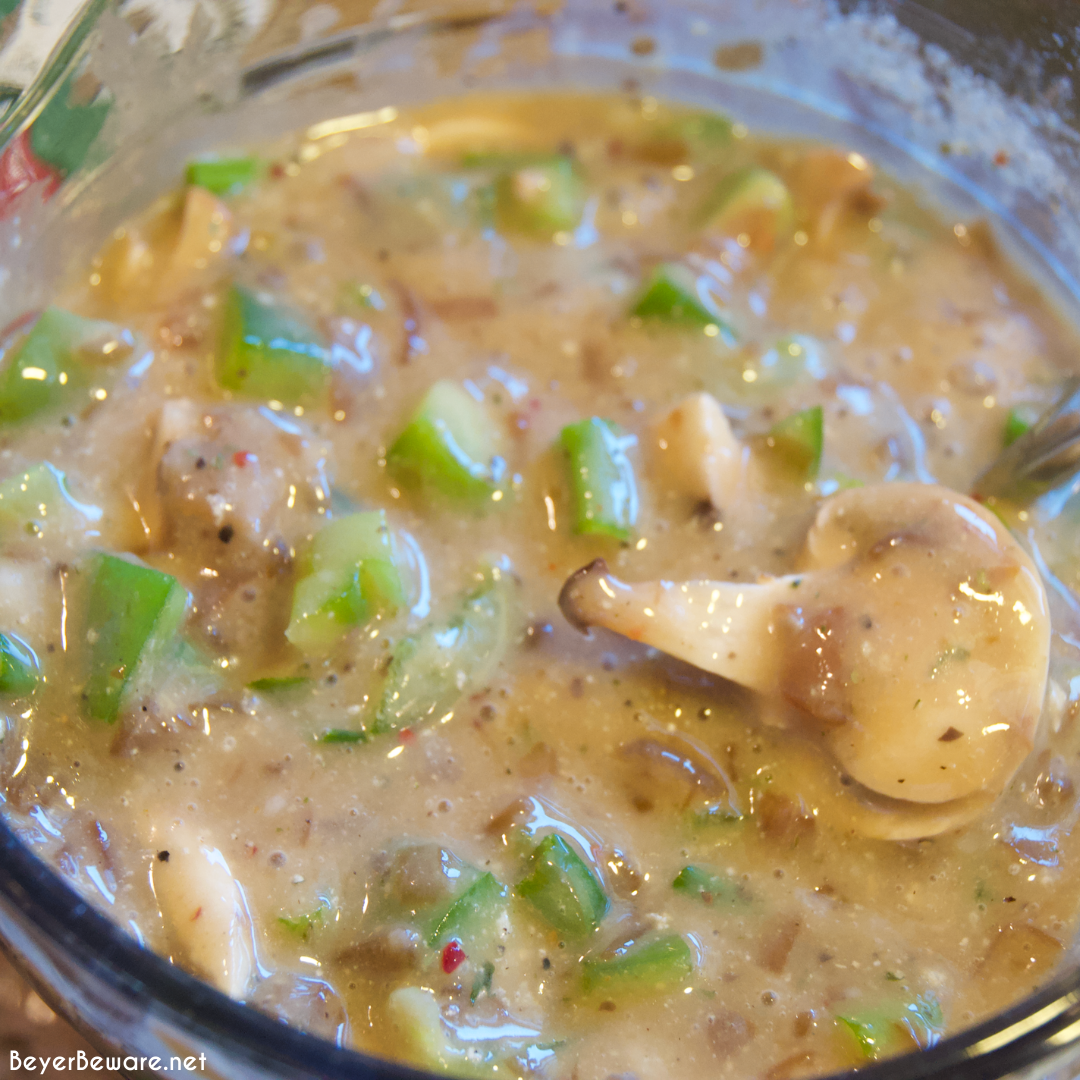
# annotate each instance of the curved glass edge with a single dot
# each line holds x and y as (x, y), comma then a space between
(51, 76)
(102, 980)
(85, 965)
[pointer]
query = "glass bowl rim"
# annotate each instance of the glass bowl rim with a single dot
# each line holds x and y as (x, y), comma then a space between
(1033, 1030)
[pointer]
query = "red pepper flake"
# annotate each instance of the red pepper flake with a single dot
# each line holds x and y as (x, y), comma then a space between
(407, 735)
(242, 458)
(277, 171)
(1001, 157)
(453, 956)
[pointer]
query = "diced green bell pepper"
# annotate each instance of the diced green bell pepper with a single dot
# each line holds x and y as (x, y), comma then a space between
(132, 612)
(892, 1028)
(37, 501)
(472, 914)
(18, 667)
(343, 736)
(875, 1034)
(799, 440)
(709, 130)
(705, 884)
(434, 668)
(224, 176)
(44, 371)
(482, 981)
(303, 926)
(270, 353)
(449, 448)
(67, 126)
(563, 889)
(640, 969)
(602, 488)
(718, 814)
(1017, 423)
(752, 202)
(541, 197)
(792, 360)
(352, 573)
(279, 684)
(671, 296)
(358, 294)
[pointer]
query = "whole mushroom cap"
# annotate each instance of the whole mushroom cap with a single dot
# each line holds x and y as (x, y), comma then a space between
(914, 647)
(926, 646)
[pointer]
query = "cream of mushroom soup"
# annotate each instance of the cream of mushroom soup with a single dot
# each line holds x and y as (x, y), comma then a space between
(503, 588)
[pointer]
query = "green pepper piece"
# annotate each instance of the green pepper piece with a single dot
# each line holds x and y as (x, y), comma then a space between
(503, 161)
(754, 203)
(64, 131)
(1016, 423)
(671, 296)
(270, 353)
(799, 439)
(603, 491)
(541, 197)
(482, 981)
(472, 913)
(449, 448)
(716, 814)
(360, 294)
(18, 667)
(132, 612)
(304, 925)
(343, 735)
(702, 883)
(892, 1028)
(37, 501)
(224, 176)
(563, 889)
(875, 1034)
(277, 684)
(352, 574)
(44, 371)
(709, 130)
(641, 968)
(434, 668)
(792, 360)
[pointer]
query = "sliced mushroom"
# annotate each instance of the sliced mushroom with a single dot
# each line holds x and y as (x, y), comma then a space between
(178, 418)
(171, 254)
(205, 911)
(915, 647)
(697, 454)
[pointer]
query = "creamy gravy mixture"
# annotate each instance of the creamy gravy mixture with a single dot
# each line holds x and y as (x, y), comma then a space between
(377, 784)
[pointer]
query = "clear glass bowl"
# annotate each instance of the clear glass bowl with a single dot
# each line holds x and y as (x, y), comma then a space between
(982, 124)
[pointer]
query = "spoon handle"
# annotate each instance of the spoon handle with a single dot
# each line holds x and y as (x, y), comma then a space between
(1046, 456)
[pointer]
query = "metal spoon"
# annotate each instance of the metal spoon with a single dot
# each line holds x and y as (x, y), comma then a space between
(1046, 456)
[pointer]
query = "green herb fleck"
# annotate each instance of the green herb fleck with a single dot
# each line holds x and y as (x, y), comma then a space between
(343, 735)
(482, 982)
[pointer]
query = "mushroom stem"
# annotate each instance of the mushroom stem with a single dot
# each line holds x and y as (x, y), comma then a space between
(717, 626)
